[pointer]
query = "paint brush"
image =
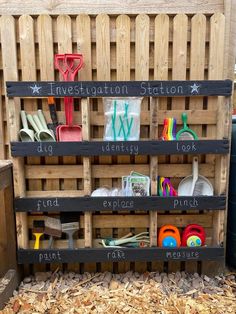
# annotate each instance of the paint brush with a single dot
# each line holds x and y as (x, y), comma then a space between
(53, 229)
(38, 230)
(70, 228)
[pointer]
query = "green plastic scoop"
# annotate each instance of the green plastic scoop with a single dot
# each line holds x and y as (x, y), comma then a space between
(42, 133)
(186, 133)
(26, 134)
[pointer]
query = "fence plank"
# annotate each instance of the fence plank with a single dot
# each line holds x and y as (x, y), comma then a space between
(197, 65)
(2, 144)
(46, 61)
(103, 56)
(142, 25)
(27, 55)
(123, 58)
(179, 55)
(197, 60)
(216, 70)
(103, 71)
(64, 33)
(9, 57)
(83, 28)
(180, 24)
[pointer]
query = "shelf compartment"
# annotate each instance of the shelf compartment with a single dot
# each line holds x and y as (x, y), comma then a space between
(87, 255)
(134, 148)
(87, 203)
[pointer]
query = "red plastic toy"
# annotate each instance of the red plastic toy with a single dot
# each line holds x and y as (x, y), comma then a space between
(193, 235)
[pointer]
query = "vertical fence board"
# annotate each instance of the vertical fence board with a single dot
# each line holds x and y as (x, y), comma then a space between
(123, 58)
(3, 233)
(197, 65)
(142, 37)
(179, 55)
(2, 142)
(103, 73)
(197, 61)
(83, 40)
(161, 50)
(83, 27)
(216, 63)
(161, 62)
(46, 63)
(9, 57)
(64, 33)
(216, 67)
(123, 74)
(216, 70)
(28, 64)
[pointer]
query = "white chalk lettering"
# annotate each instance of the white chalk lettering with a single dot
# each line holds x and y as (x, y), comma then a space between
(147, 89)
(116, 204)
(116, 255)
(177, 255)
(49, 257)
(115, 89)
(70, 90)
(83, 90)
(125, 148)
(51, 88)
(186, 147)
(45, 148)
(43, 204)
(185, 203)
(173, 90)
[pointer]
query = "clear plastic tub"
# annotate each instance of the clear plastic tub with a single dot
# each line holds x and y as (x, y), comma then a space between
(122, 119)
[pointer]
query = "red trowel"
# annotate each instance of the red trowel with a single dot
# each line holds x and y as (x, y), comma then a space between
(69, 132)
(69, 65)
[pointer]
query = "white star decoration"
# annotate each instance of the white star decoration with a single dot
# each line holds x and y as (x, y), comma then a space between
(35, 89)
(195, 88)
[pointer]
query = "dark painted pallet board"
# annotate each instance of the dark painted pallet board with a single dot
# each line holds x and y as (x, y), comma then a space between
(88, 255)
(83, 204)
(119, 88)
(119, 148)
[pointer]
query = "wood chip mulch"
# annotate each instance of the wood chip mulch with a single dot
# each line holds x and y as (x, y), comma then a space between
(108, 293)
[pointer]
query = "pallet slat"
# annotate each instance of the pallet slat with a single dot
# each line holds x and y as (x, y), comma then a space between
(119, 203)
(120, 89)
(133, 148)
(119, 255)
(113, 171)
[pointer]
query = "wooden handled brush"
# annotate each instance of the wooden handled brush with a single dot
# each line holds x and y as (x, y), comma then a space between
(38, 230)
(53, 229)
(70, 228)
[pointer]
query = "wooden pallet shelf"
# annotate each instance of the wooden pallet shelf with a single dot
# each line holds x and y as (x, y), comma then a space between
(133, 148)
(177, 63)
(149, 203)
(87, 255)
